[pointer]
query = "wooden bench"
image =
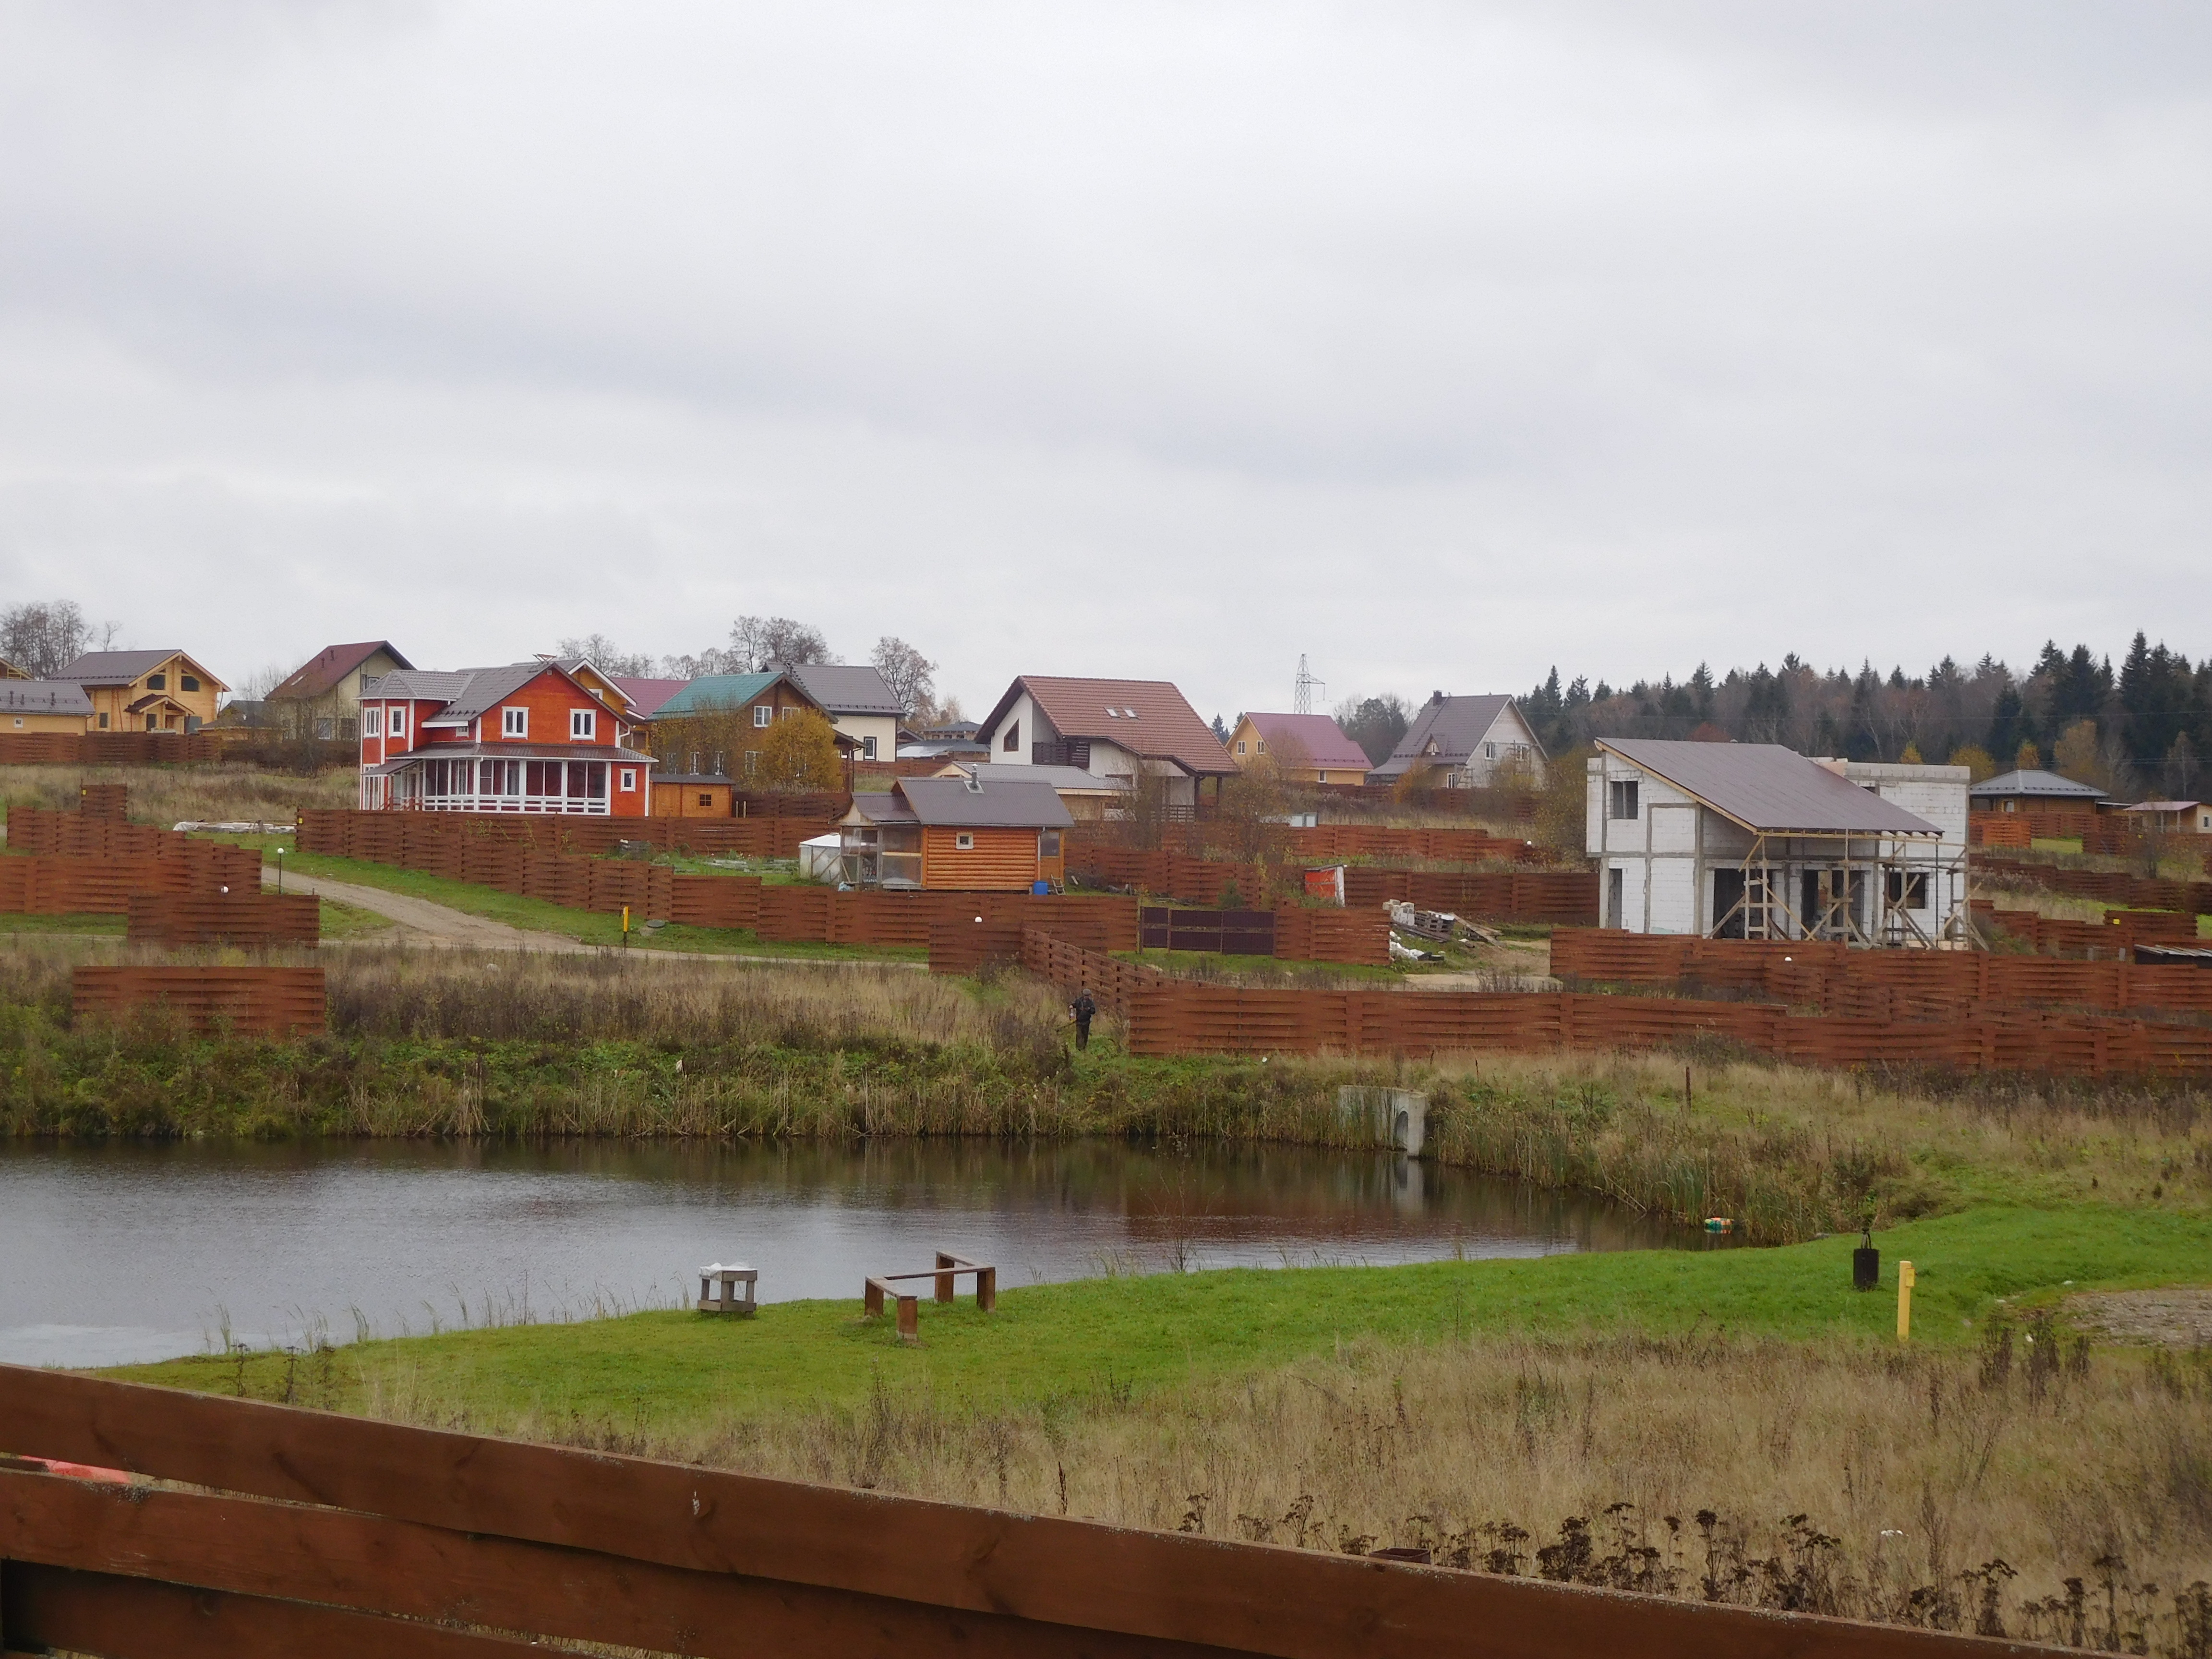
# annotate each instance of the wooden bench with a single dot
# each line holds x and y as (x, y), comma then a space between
(880, 1287)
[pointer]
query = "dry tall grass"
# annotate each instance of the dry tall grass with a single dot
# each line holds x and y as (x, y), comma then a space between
(166, 795)
(2035, 1490)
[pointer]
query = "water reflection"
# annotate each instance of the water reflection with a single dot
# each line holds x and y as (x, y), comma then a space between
(117, 1253)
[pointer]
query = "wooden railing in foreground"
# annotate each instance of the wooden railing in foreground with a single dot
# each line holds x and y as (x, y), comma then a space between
(309, 1533)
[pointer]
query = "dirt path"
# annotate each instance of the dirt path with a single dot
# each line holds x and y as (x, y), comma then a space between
(429, 923)
(2178, 1316)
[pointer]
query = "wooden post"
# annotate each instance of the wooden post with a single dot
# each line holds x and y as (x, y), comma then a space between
(987, 1288)
(944, 1264)
(910, 1318)
(872, 1298)
(1905, 1301)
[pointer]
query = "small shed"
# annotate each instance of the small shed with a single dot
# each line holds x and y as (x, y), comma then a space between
(972, 834)
(2186, 817)
(2034, 792)
(691, 795)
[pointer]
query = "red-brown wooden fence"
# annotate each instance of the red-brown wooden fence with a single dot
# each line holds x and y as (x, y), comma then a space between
(238, 919)
(254, 1001)
(280, 1531)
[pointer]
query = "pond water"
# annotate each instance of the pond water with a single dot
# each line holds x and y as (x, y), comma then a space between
(114, 1254)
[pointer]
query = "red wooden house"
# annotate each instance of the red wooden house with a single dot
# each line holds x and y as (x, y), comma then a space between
(532, 737)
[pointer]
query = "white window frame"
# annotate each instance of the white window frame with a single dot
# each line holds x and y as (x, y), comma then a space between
(764, 716)
(395, 719)
(583, 725)
(372, 722)
(867, 749)
(964, 840)
(513, 723)
(630, 779)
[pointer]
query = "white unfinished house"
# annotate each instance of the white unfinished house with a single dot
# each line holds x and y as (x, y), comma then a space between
(1754, 841)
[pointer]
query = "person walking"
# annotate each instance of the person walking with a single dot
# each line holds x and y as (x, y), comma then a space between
(1085, 1010)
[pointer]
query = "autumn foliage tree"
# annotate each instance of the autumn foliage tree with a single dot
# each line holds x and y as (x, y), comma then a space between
(799, 754)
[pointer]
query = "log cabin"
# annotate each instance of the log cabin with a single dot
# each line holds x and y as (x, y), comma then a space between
(529, 737)
(958, 834)
(145, 690)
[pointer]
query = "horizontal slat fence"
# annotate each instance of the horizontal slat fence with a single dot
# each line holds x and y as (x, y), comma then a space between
(1328, 842)
(104, 800)
(61, 886)
(248, 1001)
(1901, 985)
(1565, 897)
(279, 1531)
(173, 919)
(2108, 886)
(107, 748)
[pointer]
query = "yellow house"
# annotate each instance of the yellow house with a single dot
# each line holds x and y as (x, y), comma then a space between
(145, 690)
(1306, 748)
(43, 706)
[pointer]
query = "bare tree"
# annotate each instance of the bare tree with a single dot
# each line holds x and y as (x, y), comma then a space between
(43, 638)
(760, 641)
(911, 676)
(712, 661)
(604, 655)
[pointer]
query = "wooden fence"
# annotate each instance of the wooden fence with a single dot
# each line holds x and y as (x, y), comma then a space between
(1903, 985)
(248, 1001)
(1289, 933)
(107, 748)
(2108, 886)
(104, 800)
(408, 837)
(64, 886)
(1330, 843)
(248, 1530)
(1519, 895)
(223, 918)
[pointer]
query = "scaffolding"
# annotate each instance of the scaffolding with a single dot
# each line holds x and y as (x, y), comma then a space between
(1868, 890)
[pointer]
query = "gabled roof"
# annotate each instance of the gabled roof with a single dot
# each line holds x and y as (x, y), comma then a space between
(462, 693)
(320, 675)
(1769, 789)
(982, 803)
(846, 688)
(1446, 731)
(1148, 718)
(712, 691)
(121, 667)
(2163, 806)
(43, 698)
(2048, 784)
(1313, 740)
(1067, 780)
(646, 696)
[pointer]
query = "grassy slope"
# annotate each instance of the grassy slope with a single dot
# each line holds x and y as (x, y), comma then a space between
(537, 915)
(1109, 1335)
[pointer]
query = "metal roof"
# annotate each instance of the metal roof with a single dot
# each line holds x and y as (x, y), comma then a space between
(1313, 740)
(1768, 789)
(320, 675)
(712, 691)
(1454, 726)
(44, 698)
(121, 667)
(983, 803)
(846, 688)
(647, 695)
(1071, 779)
(1149, 718)
(2036, 783)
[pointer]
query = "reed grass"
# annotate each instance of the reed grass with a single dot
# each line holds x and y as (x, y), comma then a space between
(2029, 1487)
(166, 795)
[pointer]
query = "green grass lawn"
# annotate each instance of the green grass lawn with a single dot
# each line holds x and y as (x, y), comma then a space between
(89, 922)
(590, 927)
(1121, 1334)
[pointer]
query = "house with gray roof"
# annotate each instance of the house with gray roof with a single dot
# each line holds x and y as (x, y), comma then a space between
(1465, 743)
(858, 701)
(979, 831)
(2033, 790)
(1755, 841)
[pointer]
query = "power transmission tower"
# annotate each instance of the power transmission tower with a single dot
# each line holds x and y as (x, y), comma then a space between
(1301, 698)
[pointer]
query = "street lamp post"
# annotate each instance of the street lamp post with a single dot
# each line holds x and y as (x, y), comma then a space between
(280, 869)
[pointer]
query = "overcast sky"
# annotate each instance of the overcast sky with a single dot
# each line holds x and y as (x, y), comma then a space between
(1440, 343)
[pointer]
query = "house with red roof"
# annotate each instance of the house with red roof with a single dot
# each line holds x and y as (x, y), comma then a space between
(1305, 748)
(528, 736)
(321, 698)
(1120, 729)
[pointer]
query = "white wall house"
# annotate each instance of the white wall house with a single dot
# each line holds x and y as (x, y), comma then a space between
(1116, 730)
(1736, 841)
(1465, 743)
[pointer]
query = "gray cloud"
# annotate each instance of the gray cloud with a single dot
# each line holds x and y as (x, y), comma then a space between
(1442, 343)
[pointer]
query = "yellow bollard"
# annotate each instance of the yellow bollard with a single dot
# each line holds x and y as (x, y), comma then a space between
(625, 923)
(1905, 1301)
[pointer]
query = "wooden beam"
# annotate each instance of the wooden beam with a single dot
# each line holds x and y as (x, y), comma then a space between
(1164, 1586)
